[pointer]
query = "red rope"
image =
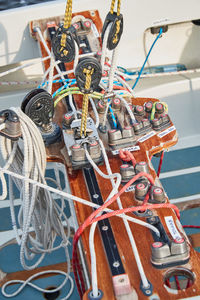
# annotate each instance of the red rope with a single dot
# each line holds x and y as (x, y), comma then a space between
(168, 283)
(91, 219)
(160, 163)
(189, 283)
(127, 156)
(177, 282)
(191, 226)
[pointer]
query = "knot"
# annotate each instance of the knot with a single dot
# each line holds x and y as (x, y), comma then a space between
(127, 156)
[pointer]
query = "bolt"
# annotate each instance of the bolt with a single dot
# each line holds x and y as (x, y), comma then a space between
(95, 196)
(116, 264)
(105, 228)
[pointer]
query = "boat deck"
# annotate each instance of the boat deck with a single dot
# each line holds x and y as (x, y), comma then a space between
(180, 176)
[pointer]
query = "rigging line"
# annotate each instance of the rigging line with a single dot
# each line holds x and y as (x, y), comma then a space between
(142, 68)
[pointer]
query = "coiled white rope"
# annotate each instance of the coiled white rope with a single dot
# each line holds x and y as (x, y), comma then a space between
(39, 212)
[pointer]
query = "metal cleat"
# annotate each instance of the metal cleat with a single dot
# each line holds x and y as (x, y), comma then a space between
(12, 128)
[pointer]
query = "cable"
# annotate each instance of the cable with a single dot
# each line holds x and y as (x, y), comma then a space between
(105, 216)
(113, 116)
(93, 227)
(10, 83)
(52, 65)
(126, 155)
(141, 70)
(191, 226)
(23, 66)
(28, 282)
(65, 195)
(60, 74)
(132, 117)
(74, 92)
(153, 111)
(127, 226)
(38, 212)
(104, 47)
(2, 126)
(95, 112)
(112, 69)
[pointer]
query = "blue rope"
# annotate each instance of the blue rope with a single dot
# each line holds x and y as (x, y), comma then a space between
(113, 116)
(70, 81)
(141, 70)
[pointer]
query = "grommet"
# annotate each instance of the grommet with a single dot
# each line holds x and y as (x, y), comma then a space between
(147, 291)
(99, 297)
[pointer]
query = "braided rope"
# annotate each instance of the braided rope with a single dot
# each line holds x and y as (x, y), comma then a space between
(113, 6)
(68, 14)
(115, 39)
(88, 80)
(67, 24)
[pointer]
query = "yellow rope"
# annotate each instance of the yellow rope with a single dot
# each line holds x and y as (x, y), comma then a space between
(88, 80)
(68, 14)
(67, 24)
(113, 6)
(118, 7)
(115, 39)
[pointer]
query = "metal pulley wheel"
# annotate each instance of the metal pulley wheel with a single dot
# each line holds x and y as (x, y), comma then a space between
(39, 107)
(88, 63)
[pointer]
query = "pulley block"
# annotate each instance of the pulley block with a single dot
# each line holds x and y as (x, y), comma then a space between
(116, 29)
(39, 107)
(88, 63)
(63, 44)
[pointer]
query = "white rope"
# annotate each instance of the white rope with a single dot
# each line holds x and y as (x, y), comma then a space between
(48, 51)
(38, 211)
(52, 65)
(22, 67)
(95, 112)
(104, 47)
(76, 58)
(70, 197)
(111, 176)
(28, 282)
(2, 126)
